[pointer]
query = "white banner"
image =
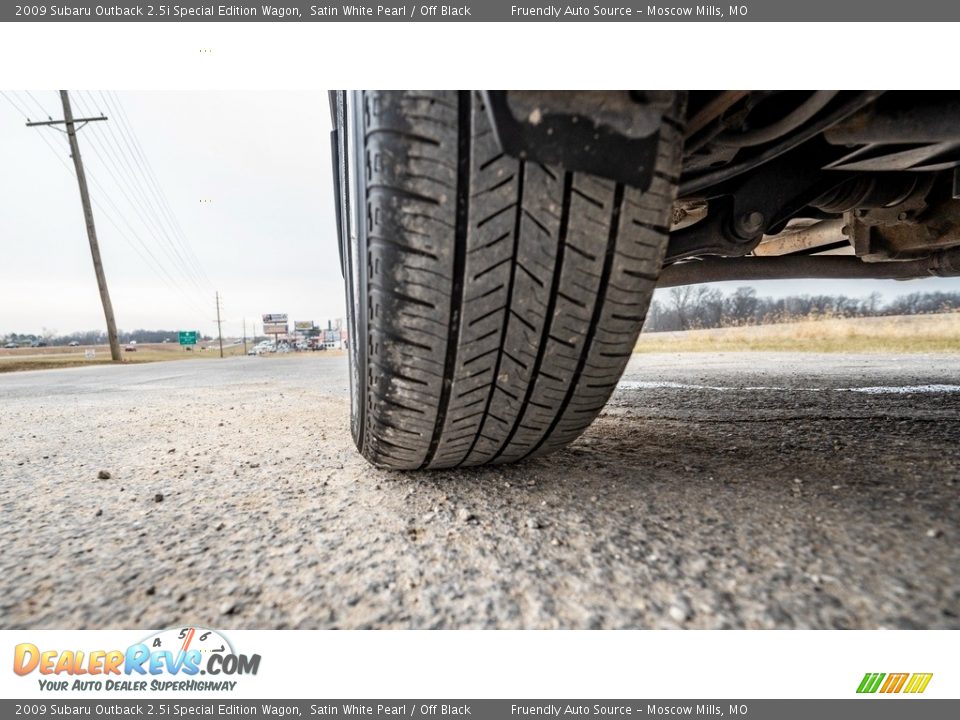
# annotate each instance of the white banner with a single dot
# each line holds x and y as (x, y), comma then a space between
(478, 664)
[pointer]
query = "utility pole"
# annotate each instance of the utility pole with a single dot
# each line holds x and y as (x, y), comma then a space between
(219, 326)
(72, 129)
(244, 337)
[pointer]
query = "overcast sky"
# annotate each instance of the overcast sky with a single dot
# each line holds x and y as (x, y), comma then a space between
(264, 235)
(247, 176)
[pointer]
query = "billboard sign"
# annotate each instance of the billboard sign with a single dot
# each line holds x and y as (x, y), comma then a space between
(275, 328)
(275, 318)
(303, 325)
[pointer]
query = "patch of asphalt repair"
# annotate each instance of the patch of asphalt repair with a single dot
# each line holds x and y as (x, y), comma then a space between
(229, 494)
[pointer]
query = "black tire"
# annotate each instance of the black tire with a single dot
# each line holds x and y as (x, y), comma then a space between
(493, 302)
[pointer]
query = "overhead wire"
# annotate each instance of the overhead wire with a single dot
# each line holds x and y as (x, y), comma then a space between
(121, 113)
(135, 150)
(113, 154)
(38, 104)
(152, 262)
(105, 153)
(155, 262)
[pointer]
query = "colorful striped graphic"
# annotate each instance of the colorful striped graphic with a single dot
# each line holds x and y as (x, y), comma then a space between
(894, 682)
(918, 683)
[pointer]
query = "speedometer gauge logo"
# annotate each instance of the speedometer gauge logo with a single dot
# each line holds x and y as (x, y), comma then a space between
(182, 640)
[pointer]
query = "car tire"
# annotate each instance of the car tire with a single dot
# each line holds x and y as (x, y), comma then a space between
(492, 302)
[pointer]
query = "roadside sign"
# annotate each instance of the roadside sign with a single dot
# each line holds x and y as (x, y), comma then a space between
(303, 325)
(188, 337)
(275, 318)
(275, 328)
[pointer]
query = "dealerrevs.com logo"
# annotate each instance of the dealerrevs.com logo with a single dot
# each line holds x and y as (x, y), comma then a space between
(888, 683)
(170, 660)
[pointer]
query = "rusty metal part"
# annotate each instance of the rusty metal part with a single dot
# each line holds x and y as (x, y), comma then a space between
(796, 267)
(827, 232)
(712, 110)
(763, 201)
(687, 212)
(901, 118)
(907, 230)
(881, 157)
(845, 249)
(793, 120)
(901, 131)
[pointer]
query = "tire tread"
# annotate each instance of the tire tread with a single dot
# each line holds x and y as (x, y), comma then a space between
(504, 297)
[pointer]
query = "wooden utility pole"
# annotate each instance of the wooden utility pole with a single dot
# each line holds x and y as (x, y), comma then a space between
(70, 123)
(219, 327)
(244, 337)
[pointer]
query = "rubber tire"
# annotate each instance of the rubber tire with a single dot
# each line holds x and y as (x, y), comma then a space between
(493, 303)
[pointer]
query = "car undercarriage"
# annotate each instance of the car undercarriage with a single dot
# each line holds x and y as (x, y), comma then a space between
(501, 248)
(773, 184)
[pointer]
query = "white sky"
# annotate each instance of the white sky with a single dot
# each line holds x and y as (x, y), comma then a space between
(266, 240)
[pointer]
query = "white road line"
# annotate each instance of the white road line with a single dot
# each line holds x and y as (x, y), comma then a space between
(872, 390)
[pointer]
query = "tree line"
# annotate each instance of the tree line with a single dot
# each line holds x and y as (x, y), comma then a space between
(699, 306)
(95, 337)
(680, 308)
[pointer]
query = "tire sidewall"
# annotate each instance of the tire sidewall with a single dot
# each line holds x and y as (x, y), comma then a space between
(354, 252)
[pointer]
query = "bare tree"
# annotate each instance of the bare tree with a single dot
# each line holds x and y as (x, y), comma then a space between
(682, 300)
(743, 305)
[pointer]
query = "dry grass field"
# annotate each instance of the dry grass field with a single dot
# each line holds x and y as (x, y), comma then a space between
(60, 356)
(897, 334)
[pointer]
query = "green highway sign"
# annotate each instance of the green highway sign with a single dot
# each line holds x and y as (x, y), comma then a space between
(188, 337)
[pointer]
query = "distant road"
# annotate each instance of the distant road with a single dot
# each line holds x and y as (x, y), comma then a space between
(760, 490)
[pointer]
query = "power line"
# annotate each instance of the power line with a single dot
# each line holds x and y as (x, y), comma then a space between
(127, 153)
(110, 165)
(108, 158)
(132, 143)
(70, 124)
(219, 324)
(37, 103)
(111, 153)
(175, 223)
(153, 263)
(162, 272)
(15, 106)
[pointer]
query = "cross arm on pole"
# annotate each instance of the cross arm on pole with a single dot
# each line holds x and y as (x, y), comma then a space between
(64, 122)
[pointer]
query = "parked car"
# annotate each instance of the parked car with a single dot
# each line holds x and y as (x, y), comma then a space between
(500, 248)
(73, 343)
(11, 345)
(264, 346)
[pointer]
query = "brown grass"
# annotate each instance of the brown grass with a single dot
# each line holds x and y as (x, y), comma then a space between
(897, 334)
(60, 357)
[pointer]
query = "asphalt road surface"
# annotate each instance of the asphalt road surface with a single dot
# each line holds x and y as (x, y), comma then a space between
(716, 491)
